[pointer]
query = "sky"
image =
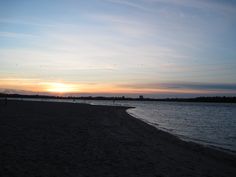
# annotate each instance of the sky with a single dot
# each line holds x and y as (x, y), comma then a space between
(157, 48)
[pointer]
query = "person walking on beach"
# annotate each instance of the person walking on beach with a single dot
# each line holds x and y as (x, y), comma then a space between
(5, 101)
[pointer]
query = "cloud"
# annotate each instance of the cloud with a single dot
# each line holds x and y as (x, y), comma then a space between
(27, 21)
(147, 5)
(16, 35)
(125, 25)
(184, 85)
(201, 4)
(129, 3)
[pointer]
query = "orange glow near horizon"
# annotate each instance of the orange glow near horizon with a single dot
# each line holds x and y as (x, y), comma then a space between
(36, 86)
(60, 88)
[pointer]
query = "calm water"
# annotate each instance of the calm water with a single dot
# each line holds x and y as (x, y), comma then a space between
(212, 124)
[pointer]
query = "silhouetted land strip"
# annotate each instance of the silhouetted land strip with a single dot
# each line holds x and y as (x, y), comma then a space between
(46, 139)
(216, 99)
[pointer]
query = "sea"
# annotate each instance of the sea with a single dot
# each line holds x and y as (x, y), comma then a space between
(210, 124)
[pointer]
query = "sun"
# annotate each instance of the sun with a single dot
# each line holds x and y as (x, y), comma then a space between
(60, 88)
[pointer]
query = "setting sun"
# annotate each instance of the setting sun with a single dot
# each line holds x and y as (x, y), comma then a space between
(60, 88)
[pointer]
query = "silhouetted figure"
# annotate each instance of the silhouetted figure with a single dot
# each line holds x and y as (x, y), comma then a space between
(5, 101)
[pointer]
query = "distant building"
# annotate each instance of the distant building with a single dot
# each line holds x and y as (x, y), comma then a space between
(141, 97)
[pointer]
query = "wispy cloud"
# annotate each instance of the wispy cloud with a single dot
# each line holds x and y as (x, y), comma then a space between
(184, 85)
(16, 35)
(19, 79)
(146, 5)
(26, 21)
(201, 4)
(125, 25)
(129, 3)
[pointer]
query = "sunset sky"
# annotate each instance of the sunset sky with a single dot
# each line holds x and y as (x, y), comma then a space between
(156, 48)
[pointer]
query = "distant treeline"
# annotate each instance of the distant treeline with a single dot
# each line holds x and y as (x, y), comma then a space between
(216, 99)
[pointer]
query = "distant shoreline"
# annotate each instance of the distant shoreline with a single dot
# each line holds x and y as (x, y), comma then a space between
(217, 99)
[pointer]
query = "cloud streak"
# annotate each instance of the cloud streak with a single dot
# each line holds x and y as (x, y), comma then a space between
(16, 35)
(133, 4)
(199, 4)
(184, 85)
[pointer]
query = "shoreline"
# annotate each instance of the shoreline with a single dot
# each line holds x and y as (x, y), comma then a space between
(184, 138)
(67, 139)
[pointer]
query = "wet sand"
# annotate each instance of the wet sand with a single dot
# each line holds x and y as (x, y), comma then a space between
(45, 139)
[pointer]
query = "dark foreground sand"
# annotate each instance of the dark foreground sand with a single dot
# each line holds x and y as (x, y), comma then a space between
(41, 139)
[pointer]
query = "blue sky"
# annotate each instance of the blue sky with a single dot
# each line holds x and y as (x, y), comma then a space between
(153, 47)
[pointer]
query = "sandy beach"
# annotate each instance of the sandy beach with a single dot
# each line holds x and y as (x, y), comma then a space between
(45, 139)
